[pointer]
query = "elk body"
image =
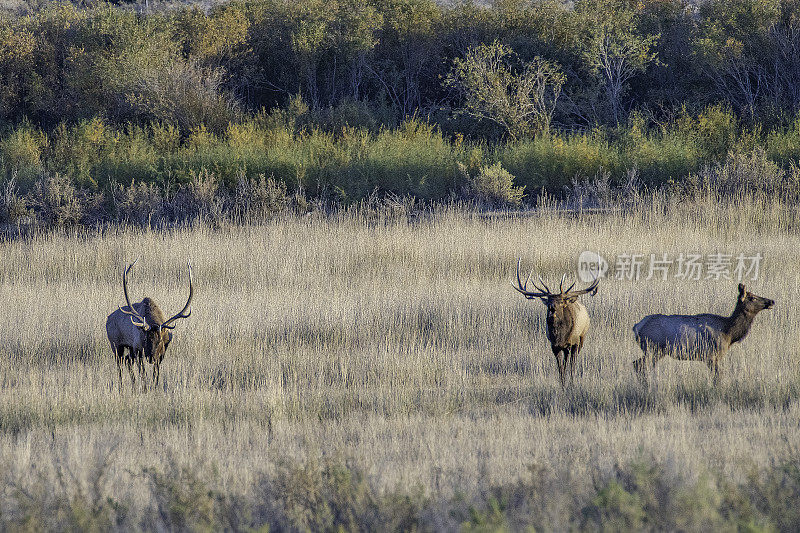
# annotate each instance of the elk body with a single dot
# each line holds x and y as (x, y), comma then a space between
(567, 319)
(705, 337)
(142, 330)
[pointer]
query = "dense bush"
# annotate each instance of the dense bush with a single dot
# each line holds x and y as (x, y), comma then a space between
(492, 186)
(95, 171)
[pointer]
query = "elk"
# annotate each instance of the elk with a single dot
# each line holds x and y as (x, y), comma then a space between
(567, 319)
(141, 328)
(705, 337)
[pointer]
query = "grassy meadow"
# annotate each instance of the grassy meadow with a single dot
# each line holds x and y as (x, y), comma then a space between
(355, 372)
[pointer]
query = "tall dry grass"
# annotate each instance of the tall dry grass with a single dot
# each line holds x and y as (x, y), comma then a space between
(396, 348)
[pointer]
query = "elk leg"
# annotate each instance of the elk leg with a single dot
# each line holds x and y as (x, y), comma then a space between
(640, 365)
(573, 356)
(561, 362)
(713, 366)
(129, 365)
(119, 353)
(142, 371)
(156, 372)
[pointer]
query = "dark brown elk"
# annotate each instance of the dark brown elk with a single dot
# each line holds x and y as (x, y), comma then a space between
(704, 337)
(567, 319)
(142, 330)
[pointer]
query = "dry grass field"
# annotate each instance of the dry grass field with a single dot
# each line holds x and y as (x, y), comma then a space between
(382, 374)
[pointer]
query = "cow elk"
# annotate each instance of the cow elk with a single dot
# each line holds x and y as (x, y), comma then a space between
(142, 330)
(705, 337)
(567, 319)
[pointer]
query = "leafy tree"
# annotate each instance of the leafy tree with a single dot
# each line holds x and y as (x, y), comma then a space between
(670, 81)
(19, 81)
(733, 48)
(498, 86)
(331, 38)
(614, 50)
(409, 52)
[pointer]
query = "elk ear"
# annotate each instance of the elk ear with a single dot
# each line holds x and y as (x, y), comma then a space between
(742, 290)
(572, 299)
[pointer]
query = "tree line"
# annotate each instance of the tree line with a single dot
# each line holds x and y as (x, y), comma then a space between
(469, 68)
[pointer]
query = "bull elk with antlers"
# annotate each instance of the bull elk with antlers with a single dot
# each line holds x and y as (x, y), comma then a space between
(705, 337)
(142, 329)
(567, 318)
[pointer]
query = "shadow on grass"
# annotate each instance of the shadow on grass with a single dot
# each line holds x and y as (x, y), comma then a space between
(53, 352)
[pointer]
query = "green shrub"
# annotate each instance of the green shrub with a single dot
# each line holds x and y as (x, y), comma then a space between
(551, 162)
(696, 507)
(186, 501)
(783, 144)
(333, 495)
(318, 497)
(615, 509)
(350, 164)
(22, 151)
(717, 130)
(491, 519)
(776, 492)
(492, 187)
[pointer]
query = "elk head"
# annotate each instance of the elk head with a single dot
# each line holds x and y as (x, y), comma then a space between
(751, 304)
(151, 320)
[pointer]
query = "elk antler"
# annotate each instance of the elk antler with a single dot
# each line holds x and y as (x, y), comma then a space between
(591, 288)
(136, 319)
(183, 312)
(523, 287)
(546, 288)
(570, 288)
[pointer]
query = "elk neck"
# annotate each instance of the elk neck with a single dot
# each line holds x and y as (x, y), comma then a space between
(738, 324)
(560, 326)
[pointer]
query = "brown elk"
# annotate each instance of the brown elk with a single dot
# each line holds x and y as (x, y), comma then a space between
(567, 319)
(141, 328)
(705, 337)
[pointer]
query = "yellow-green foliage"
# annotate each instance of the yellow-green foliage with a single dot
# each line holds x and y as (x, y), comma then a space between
(492, 186)
(552, 161)
(347, 163)
(210, 38)
(22, 150)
